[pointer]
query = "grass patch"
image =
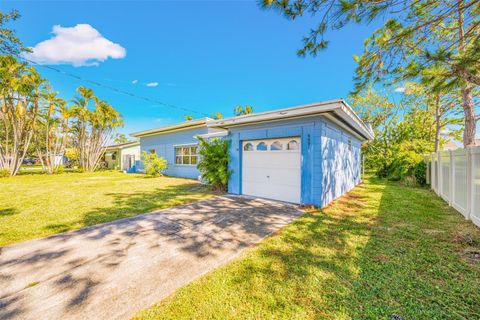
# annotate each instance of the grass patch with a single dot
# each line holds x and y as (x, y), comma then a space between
(38, 205)
(384, 251)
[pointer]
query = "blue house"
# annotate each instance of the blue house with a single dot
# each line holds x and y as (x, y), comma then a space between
(308, 154)
(177, 144)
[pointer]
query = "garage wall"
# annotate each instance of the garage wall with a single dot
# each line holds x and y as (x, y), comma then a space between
(305, 128)
(340, 161)
(329, 166)
(164, 145)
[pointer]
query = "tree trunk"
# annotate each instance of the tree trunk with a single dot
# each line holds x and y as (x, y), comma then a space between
(466, 91)
(469, 116)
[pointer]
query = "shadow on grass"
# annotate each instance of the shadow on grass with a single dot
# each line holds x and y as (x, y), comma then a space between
(383, 251)
(8, 212)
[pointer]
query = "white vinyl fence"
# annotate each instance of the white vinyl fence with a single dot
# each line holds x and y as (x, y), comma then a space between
(455, 176)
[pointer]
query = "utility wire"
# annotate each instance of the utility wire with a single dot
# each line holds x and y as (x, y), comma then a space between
(106, 86)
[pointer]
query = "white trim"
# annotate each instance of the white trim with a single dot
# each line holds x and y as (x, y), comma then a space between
(186, 145)
(192, 124)
(216, 134)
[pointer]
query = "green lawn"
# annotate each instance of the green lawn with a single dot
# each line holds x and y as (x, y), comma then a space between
(384, 251)
(37, 205)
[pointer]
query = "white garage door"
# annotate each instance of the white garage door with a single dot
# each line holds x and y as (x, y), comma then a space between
(271, 169)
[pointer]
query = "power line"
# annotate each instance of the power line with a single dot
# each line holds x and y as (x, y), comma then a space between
(106, 86)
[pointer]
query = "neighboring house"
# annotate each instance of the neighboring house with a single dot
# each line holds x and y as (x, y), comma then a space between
(308, 154)
(122, 156)
(450, 145)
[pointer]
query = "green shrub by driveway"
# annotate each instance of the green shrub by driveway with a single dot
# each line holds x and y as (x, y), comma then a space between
(384, 251)
(37, 205)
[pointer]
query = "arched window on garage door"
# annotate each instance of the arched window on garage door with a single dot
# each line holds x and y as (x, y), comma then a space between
(248, 147)
(277, 145)
(262, 146)
(292, 145)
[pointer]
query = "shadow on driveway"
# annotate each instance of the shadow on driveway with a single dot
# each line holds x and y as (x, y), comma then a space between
(112, 270)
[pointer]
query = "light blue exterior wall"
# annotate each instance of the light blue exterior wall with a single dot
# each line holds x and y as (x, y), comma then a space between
(164, 145)
(341, 162)
(329, 166)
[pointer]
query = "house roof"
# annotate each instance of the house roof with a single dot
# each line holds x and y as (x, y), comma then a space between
(338, 111)
(123, 145)
(174, 127)
(450, 145)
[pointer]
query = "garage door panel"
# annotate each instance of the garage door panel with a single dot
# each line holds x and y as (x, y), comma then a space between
(270, 173)
(276, 192)
(286, 160)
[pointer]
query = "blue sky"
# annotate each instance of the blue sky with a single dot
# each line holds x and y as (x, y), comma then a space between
(205, 56)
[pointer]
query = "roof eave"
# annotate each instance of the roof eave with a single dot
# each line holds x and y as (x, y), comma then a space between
(339, 107)
(172, 128)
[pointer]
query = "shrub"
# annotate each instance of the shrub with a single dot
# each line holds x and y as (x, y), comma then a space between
(4, 173)
(213, 163)
(73, 155)
(420, 173)
(59, 169)
(407, 164)
(154, 165)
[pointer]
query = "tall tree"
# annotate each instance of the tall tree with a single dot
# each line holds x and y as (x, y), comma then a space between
(94, 126)
(9, 43)
(120, 138)
(444, 108)
(55, 123)
(406, 129)
(418, 36)
(20, 88)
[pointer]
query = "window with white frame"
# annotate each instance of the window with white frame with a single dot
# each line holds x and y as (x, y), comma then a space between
(186, 155)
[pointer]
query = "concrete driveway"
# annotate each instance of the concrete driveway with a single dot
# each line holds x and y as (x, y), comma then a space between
(113, 270)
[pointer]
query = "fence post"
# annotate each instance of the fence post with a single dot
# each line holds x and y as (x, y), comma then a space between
(440, 174)
(470, 184)
(451, 172)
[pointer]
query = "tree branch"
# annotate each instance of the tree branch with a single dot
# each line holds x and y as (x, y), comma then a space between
(465, 74)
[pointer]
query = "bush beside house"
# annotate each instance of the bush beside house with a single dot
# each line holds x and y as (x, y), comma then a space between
(154, 165)
(213, 163)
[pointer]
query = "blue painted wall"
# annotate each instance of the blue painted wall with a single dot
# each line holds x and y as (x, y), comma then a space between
(164, 145)
(329, 166)
(330, 156)
(341, 162)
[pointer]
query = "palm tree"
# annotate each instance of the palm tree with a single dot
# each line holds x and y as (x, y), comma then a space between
(93, 128)
(240, 111)
(20, 88)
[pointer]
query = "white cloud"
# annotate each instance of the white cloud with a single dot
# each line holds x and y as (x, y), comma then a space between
(134, 81)
(400, 89)
(152, 84)
(81, 45)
